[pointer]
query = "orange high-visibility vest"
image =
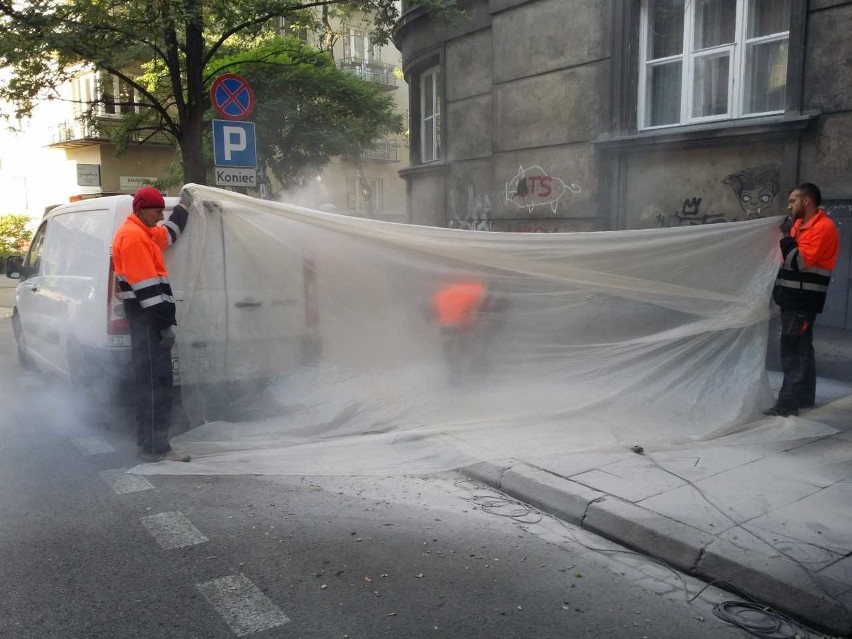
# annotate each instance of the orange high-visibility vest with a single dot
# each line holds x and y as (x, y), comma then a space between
(810, 253)
(137, 257)
(458, 305)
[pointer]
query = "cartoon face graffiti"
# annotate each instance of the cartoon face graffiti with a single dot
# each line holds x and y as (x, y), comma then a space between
(755, 189)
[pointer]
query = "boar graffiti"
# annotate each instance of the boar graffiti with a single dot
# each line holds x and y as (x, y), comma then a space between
(532, 186)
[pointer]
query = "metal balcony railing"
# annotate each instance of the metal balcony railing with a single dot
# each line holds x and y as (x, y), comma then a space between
(385, 150)
(378, 72)
(73, 133)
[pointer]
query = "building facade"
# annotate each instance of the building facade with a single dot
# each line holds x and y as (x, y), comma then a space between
(566, 115)
(368, 186)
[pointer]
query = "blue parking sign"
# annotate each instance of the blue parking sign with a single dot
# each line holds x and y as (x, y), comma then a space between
(234, 144)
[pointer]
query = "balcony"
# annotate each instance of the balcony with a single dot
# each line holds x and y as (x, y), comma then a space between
(378, 72)
(384, 150)
(75, 133)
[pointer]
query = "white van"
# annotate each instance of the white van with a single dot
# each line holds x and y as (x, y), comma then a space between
(68, 320)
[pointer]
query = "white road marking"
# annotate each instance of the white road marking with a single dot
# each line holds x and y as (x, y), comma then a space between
(173, 530)
(121, 482)
(243, 607)
(93, 445)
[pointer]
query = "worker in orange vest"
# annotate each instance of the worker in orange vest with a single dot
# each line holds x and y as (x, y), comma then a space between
(809, 247)
(137, 256)
(459, 308)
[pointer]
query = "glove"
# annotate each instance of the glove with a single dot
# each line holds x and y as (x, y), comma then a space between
(786, 225)
(167, 338)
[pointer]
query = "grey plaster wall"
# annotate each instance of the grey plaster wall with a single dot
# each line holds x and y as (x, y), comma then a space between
(427, 203)
(550, 34)
(826, 156)
(468, 66)
(828, 60)
(554, 108)
(699, 185)
(471, 197)
(468, 126)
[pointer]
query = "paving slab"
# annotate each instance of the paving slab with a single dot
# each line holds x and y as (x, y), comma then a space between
(688, 506)
(631, 479)
(820, 519)
(693, 464)
(570, 465)
(841, 571)
(752, 490)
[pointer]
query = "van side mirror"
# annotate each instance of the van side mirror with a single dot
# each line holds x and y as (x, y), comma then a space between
(14, 267)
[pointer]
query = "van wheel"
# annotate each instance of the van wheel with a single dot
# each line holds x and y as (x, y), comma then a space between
(23, 357)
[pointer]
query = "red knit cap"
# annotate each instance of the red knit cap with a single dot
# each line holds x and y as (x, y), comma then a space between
(148, 198)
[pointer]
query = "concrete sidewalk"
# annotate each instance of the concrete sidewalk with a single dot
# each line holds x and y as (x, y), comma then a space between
(771, 516)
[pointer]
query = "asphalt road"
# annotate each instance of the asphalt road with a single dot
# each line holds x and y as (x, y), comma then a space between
(85, 552)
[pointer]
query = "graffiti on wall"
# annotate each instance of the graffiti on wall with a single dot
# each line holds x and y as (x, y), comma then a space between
(469, 210)
(689, 215)
(755, 189)
(532, 186)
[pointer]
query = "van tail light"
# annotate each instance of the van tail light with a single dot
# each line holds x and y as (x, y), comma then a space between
(117, 323)
(311, 302)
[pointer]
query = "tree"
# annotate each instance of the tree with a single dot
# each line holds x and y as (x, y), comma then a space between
(307, 108)
(14, 235)
(162, 49)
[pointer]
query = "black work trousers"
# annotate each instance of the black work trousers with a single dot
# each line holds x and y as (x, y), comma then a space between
(152, 367)
(797, 360)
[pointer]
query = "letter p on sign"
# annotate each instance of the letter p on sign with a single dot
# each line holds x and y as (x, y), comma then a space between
(234, 144)
(235, 141)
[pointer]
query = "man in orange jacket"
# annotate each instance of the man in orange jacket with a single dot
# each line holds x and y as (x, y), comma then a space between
(809, 247)
(137, 256)
(459, 308)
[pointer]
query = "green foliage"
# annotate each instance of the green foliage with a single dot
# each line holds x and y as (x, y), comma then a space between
(164, 49)
(14, 235)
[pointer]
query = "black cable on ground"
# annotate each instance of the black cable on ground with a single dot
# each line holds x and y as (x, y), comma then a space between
(758, 620)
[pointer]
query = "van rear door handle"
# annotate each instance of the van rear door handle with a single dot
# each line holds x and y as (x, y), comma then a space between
(248, 304)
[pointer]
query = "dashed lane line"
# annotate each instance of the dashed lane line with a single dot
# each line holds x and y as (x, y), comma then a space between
(173, 530)
(242, 605)
(121, 482)
(95, 445)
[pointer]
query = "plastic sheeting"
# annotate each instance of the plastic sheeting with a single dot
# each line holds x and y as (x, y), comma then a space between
(587, 341)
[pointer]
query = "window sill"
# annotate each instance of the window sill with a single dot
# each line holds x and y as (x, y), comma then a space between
(722, 131)
(424, 169)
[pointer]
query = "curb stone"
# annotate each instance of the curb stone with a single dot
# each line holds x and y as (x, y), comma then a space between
(769, 578)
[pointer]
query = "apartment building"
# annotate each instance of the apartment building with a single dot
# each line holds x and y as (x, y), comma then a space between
(579, 115)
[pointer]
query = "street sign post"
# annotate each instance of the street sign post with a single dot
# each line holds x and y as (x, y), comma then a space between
(234, 143)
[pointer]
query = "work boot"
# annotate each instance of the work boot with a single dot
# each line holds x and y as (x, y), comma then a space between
(780, 411)
(169, 455)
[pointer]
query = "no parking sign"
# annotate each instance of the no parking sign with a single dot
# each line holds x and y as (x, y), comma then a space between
(232, 97)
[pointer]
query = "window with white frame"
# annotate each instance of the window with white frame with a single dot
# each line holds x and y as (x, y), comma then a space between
(116, 95)
(430, 115)
(365, 195)
(357, 46)
(707, 60)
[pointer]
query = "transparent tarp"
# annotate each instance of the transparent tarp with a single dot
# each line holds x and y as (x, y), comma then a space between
(328, 333)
